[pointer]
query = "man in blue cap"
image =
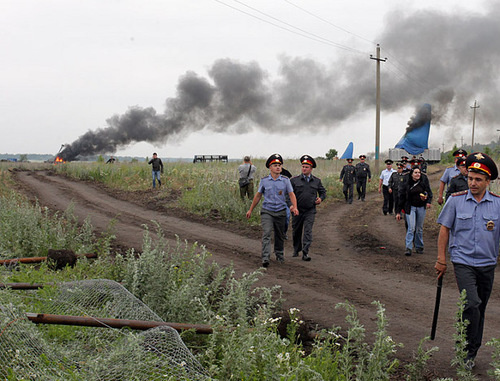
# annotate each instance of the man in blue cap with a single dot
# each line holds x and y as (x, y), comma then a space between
(470, 231)
(273, 212)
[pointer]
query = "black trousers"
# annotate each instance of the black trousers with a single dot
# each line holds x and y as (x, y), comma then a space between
(302, 226)
(348, 191)
(478, 283)
(388, 206)
(361, 187)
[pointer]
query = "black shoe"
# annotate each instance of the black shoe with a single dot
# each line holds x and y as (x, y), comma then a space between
(350, 201)
(385, 213)
(295, 254)
(408, 252)
(391, 213)
(419, 250)
(280, 259)
(265, 264)
(470, 363)
(306, 258)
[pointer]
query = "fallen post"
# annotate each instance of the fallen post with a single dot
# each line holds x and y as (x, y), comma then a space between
(86, 321)
(24, 286)
(37, 259)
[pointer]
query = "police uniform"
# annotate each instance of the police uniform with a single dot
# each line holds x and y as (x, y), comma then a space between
(362, 174)
(386, 174)
(306, 189)
(451, 172)
(395, 182)
(273, 211)
(474, 236)
(457, 184)
(348, 176)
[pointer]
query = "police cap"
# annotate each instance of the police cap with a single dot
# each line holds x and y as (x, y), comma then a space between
(482, 163)
(460, 152)
(273, 159)
(306, 159)
(350, 160)
(388, 161)
(362, 156)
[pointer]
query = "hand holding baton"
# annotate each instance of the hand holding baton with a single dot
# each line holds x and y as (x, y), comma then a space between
(436, 306)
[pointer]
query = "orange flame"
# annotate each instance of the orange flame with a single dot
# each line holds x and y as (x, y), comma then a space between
(59, 160)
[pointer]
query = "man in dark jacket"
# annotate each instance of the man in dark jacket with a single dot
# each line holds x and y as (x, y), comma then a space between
(458, 183)
(348, 177)
(157, 169)
(309, 192)
(362, 175)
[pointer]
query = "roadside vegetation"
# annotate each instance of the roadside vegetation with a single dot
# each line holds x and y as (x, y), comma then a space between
(253, 338)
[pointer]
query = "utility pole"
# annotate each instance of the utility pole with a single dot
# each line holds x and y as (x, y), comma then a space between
(473, 123)
(377, 117)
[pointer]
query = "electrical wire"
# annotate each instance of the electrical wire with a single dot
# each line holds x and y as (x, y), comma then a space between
(298, 31)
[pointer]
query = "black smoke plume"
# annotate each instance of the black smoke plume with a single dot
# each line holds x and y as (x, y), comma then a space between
(445, 59)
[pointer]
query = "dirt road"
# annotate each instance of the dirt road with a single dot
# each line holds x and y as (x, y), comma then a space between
(357, 255)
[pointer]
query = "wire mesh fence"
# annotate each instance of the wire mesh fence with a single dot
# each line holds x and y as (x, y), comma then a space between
(65, 352)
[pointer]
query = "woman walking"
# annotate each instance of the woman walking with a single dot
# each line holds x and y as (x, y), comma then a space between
(415, 196)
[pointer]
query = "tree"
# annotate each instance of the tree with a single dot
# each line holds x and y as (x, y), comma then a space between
(331, 154)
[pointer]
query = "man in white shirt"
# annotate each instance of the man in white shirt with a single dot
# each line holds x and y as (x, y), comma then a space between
(383, 187)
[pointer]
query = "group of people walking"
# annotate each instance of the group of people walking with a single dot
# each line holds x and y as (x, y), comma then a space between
(304, 193)
(469, 220)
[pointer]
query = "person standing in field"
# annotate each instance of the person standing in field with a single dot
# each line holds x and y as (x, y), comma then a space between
(157, 169)
(348, 177)
(247, 172)
(273, 212)
(470, 231)
(309, 192)
(383, 187)
(362, 175)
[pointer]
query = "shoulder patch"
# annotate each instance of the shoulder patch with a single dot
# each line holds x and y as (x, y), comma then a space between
(461, 193)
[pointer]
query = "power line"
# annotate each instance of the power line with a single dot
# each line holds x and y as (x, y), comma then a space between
(329, 23)
(298, 31)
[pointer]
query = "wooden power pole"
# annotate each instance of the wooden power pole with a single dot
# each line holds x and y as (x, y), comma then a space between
(473, 123)
(377, 116)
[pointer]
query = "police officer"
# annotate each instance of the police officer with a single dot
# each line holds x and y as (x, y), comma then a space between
(362, 174)
(273, 213)
(470, 231)
(395, 181)
(383, 187)
(459, 182)
(309, 192)
(449, 173)
(348, 176)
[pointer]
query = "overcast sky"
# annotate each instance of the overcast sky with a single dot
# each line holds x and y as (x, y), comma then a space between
(68, 67)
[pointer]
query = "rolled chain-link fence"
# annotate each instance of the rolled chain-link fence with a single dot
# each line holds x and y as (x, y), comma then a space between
(31, 351)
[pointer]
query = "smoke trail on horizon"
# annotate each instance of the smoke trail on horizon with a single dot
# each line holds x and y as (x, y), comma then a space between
(451, 60)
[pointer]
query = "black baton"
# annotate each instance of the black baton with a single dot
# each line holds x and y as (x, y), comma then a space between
(436, 307)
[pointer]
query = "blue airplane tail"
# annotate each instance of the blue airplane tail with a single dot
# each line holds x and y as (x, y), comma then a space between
(348, 151)
(416, 138)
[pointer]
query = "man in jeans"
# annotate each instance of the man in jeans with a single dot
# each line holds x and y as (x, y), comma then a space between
(157, 169)
(273, 213)
(247, 171)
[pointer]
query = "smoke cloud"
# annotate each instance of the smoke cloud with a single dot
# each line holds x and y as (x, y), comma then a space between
(445, 59)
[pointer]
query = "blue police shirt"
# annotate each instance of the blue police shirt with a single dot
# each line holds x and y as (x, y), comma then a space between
(449, 173)
(274, 192)
(474, 230)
